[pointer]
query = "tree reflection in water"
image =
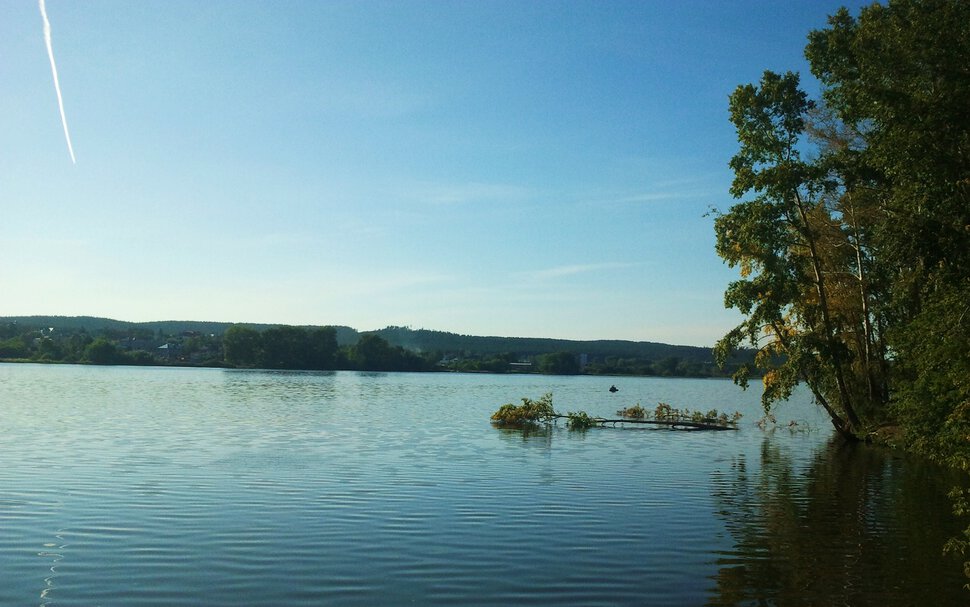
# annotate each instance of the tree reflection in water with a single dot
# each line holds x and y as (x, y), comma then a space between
(855, 526)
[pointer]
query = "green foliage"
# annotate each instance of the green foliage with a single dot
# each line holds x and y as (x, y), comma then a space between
(897, 73)
(103, 352)
(855, 264)
(14, 347)
(559, 363)
(141, 357)
(315, 348)
(535, 412)
(373, 353)
(664, 412)
(530, 412)
(933, 401)
(634, 412)
(961, 544)
(241, 346)
(796, 314)
(580, 421)
(288, 347)
(226, 344)
(485, 347)
(283, 347)
(603, 357)
(540, 411)
(896, 76)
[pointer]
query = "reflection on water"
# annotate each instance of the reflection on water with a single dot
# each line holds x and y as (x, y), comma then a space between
(855, 525)
(530, 434)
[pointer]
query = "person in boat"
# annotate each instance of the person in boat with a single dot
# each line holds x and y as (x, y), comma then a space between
(614, 389)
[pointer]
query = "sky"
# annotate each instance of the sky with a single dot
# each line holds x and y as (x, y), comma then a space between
(524, 168)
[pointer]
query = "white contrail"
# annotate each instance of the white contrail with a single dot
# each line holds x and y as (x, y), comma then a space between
(57, 85)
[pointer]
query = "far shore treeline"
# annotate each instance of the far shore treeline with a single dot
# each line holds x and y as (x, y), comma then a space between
(104, 341)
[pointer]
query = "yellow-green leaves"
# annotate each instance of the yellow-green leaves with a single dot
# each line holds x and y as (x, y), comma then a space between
(529, 412)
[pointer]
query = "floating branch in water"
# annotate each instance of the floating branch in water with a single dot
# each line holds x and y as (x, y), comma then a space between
(540, 411)
(530, 412)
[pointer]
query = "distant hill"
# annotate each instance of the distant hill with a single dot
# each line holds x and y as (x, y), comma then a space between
(95, 325)
(418, 340)
(424, 340)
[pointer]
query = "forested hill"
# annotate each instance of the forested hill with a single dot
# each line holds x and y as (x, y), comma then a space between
(417, 340)
(424, 340)
(109, 326)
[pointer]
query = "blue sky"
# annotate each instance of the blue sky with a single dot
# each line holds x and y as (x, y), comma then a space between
(524, 168)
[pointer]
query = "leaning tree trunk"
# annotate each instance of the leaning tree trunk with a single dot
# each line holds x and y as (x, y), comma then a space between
(837, 421)
(854, 423)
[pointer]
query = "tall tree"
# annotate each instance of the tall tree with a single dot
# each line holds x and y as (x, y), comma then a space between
(322, 348)
(559, 363)
(285, 347)
(777, 239)
(373, 353)
(103, 352)
(857, 264)
(242, 346)
(900, 75)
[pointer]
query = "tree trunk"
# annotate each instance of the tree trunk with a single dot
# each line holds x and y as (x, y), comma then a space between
(837, 421)
(855, 423)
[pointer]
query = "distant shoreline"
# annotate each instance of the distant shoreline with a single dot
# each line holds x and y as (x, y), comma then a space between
(104, 341)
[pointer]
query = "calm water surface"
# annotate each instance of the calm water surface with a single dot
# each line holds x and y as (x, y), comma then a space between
(135, 486)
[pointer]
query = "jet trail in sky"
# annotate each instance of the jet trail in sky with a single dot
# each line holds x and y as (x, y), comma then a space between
(57, 85)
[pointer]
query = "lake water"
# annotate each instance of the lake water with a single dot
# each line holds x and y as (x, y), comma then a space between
(158, 486)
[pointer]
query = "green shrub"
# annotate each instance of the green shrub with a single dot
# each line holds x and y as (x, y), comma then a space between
(579, 421)
(529, 412)
(634, 412)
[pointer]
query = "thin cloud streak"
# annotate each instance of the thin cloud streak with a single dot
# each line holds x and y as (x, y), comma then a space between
(670, 190)
(57, 85)
(570, 270)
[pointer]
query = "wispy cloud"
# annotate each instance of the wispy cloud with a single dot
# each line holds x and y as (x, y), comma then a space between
(667, 190)
(57, 85)
(668, 194)
(647, 197)
(583, 268)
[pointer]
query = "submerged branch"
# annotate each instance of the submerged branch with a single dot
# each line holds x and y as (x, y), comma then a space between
(539, 412)
(673, 424)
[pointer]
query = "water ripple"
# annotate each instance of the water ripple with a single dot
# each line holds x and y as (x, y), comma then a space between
(178, 486)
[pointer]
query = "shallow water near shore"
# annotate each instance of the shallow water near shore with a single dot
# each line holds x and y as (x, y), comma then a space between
(148, 486)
